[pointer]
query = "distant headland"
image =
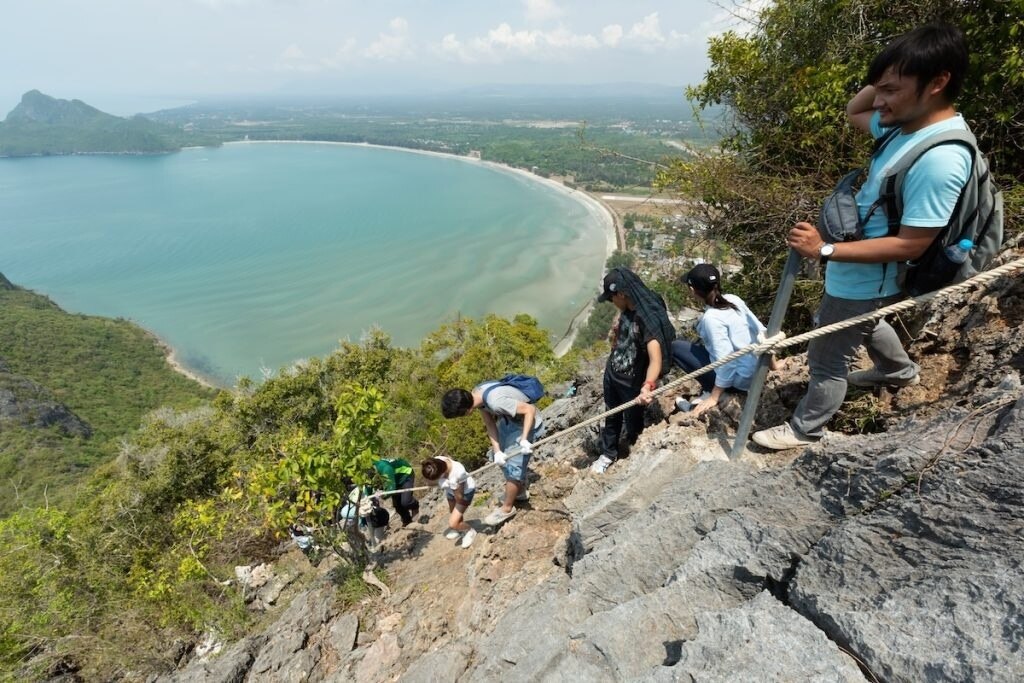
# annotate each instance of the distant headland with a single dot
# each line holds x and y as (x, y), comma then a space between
(42, 126)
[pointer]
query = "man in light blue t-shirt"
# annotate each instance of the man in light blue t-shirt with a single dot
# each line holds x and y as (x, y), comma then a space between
(913, 84)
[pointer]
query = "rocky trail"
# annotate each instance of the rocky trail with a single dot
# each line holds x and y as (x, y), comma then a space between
(894, 556)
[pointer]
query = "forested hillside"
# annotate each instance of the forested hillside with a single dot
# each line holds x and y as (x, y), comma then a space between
(70, 387)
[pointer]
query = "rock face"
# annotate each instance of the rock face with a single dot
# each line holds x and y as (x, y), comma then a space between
(932, 539)
(897, 556)
(24, 402)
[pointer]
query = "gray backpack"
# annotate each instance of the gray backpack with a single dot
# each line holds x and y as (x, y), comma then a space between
(978, 215)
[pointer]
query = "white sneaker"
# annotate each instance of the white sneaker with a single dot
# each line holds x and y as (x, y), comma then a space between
(601, 464)
(467, 538)
(781, 437)
(452, 534)
(499, 516)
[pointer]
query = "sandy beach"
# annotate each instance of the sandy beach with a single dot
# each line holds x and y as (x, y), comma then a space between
(172, 359)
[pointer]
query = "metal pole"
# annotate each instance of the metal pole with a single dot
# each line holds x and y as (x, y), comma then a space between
(774, 325)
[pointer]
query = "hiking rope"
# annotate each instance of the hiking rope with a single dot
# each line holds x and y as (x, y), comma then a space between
(778, 341)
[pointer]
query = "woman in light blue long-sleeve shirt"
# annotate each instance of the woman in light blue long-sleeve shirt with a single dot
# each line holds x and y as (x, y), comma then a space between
(727, 325)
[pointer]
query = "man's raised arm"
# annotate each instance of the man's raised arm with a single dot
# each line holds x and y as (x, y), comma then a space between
(861, 107)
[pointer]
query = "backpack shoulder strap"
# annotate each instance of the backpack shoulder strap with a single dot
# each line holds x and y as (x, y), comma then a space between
(891, 193)
(884, 139)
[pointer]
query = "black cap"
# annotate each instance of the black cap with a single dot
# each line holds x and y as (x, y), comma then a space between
(703, 277)
(612, 285)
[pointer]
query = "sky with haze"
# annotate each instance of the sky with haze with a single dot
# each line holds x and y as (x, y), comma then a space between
(126, 56)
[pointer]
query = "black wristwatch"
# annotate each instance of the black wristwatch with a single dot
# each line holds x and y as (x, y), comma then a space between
(825, 252)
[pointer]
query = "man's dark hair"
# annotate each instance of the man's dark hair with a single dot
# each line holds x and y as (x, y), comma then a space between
(456, 402)
(924, 53)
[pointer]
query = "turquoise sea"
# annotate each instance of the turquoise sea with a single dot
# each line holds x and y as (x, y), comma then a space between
(253, 256)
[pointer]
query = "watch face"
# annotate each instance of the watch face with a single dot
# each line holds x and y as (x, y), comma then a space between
(827, 249)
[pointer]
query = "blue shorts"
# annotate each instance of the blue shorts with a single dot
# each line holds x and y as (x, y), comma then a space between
(467, 498)
(517, 466)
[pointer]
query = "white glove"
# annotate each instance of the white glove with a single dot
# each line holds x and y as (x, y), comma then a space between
(499, 457)
(526, 448)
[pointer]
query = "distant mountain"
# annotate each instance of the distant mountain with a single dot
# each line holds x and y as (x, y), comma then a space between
(35, 107)
(43, 125)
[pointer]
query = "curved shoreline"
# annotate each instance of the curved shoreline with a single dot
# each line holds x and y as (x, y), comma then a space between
(171, 354)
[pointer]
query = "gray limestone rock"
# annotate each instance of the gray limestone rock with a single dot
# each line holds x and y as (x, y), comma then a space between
(278, 652)
(379, 658)
(928, 582)
(342, 633)
(229, 666)
(445, 664)
(761, 640)
(27, 403)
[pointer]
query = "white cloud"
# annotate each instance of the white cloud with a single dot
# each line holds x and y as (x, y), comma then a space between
(611, 35)
(294, 59)
(503, 41)
(399, 25)
(391, 46)
(648, 29)
(539, 11)
(563, 38)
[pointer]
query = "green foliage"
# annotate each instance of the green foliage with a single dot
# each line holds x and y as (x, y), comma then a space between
(620, 259)
(109, 373)
(672, 290)
(350, 587)
(142, 553)
(310, 476)
(468, 352)
(597, 327)
(37, 599)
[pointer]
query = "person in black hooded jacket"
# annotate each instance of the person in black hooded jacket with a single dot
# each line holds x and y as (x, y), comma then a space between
(641, 338)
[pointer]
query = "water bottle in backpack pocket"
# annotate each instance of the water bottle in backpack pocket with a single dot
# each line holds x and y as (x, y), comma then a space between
(937, 268)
